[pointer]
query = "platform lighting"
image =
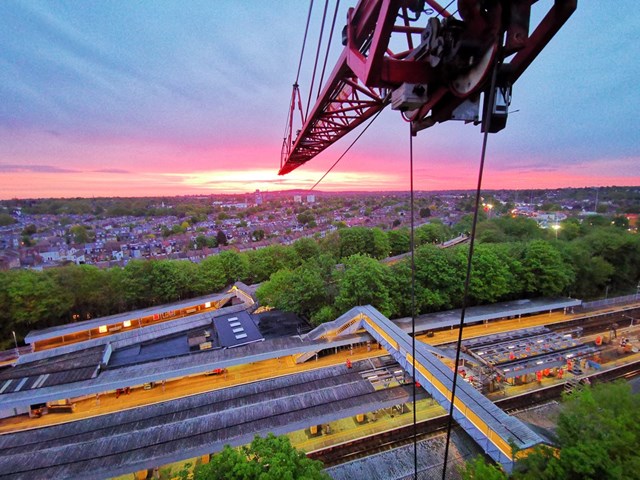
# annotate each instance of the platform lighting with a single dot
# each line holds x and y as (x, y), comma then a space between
(126, 323)
(539, 362)
(102, 329)
(207, 305)
(570, 355)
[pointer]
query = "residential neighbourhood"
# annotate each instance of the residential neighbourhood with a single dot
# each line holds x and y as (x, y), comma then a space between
(192, 228)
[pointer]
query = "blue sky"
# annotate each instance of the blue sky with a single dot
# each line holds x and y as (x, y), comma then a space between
(167, 97)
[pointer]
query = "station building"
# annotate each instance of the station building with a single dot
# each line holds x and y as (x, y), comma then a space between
(154, 347)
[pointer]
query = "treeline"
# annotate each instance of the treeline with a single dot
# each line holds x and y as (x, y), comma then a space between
(114, 207)
(324, 278)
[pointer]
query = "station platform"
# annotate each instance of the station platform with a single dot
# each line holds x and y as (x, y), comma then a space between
(183, 377)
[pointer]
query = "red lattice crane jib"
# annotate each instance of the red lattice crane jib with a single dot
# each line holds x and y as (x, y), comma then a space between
(428, 63)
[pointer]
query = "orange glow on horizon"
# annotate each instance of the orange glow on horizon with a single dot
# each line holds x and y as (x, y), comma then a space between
(443, 176)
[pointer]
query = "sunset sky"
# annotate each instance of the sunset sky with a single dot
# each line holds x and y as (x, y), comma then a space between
(139, 98)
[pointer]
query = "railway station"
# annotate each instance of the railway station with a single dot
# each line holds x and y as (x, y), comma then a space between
(154, 394)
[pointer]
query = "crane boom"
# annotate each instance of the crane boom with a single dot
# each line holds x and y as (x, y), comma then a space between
(438, 74)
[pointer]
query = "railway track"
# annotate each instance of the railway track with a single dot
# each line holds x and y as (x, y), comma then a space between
(391, 439)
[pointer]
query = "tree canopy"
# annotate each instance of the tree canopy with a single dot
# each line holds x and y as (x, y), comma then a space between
(598, 434)
(513, 259)
(268, 458)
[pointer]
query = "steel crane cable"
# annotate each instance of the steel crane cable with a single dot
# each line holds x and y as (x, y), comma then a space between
(326, 55)
(413, 306)
(445, 8)
(315, 63)
(295, 84)
(304, 40)
(385, 100)
(486, 123)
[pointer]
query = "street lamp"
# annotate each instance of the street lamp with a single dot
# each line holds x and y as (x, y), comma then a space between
(15, 341)
(556, 227)
(487, 208)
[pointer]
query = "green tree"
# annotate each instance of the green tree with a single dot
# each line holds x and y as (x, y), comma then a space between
(201, 242)
(257, 235)
(489, 276)
(399, 241)
(29, 229)
(518, 228)
(79, 234)
(137, 284)
(211, 275)
(480, 469)
(326, 314)
(34, 299)
(490, 232)
(598, 436)
(221, 237)
(591, 272)
(401, 282)
(425, 212)
(352, 241)
(234, 265)
(301, 290)
(545, 271)
(569, 229)
(434, 232)
(306, 217)
(306, 248)
(440, 275)
(88, 286)
(379, 244)
(268, 458)
(364, 281)
(360, 240)
(6, 220)
(265, 261)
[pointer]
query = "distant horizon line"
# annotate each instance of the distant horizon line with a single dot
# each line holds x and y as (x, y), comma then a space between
(316, 192)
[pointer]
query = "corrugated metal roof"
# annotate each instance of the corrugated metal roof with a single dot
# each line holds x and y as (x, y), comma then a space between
(149, 436)
(57, 370)
(131, 337)
(482, 313)
(53, 332)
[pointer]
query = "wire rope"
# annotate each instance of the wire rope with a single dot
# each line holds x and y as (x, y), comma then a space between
(326, 55)
(349, 147)
(413, 307)
(295, 84)
(465, 298)
(315, 63)
(304, 40)
(445, 8)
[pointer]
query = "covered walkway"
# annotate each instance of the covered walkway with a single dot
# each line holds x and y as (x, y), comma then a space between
(489, 426)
